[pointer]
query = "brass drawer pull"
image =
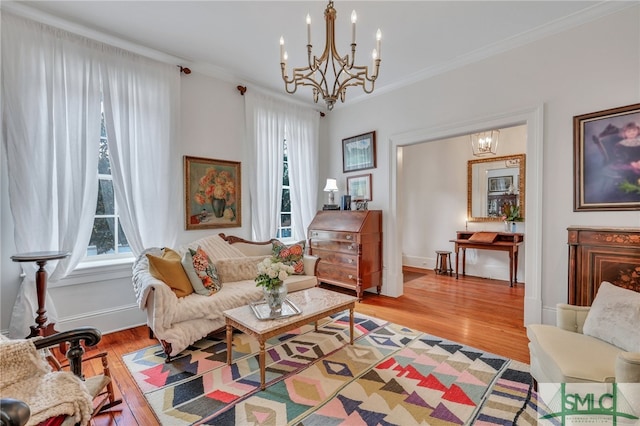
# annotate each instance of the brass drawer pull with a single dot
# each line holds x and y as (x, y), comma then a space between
(351, 247)
(350, 261)
(349, 237)
(350, 276)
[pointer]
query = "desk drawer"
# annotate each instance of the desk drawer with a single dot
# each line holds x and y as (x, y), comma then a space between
(336, 258)
(333, 272)
(333, 235)
(329, 246)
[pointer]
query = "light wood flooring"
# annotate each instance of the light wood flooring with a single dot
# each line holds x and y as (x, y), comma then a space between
(482, 313)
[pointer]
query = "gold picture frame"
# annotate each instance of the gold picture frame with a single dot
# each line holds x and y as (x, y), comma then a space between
(607, 159)
(213, 194)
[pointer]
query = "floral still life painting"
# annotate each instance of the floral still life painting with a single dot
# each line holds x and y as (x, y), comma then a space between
(212, 193)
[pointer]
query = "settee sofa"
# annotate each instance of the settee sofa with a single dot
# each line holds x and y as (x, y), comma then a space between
(177, 322)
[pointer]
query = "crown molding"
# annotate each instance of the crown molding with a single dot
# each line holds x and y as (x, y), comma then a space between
(24, 11)
(557, 26)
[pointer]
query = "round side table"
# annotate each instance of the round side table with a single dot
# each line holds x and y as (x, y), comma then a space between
(41, 258)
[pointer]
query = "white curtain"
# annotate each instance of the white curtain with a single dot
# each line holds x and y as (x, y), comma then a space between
(265, 133)
(268, 122)
(141, 103)
(51, 128)
(302, 142)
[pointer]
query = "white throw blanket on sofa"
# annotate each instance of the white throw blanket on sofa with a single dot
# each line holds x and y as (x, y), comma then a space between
(182, 321)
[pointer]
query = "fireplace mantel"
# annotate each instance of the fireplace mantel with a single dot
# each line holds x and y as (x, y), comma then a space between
(599, 254)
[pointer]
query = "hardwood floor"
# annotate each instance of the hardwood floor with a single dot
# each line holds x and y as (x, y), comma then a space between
(486, 314)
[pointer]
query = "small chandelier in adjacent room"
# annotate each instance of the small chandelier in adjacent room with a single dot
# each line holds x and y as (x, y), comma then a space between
(485, 143)
(330, 74)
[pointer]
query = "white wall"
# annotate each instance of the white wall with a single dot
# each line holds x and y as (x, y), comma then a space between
(588, 68)
(435, 203)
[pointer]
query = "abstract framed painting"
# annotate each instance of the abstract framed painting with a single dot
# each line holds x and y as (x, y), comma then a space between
(359, 152)
(607, 159)
(212, 193)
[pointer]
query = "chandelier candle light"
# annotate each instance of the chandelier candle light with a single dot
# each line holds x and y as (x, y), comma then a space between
(331, 73)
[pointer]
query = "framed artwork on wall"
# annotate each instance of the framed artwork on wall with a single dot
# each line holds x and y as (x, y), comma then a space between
(499, 183)
(607, 159)
(359, 187)
(212, 193)
(359, 152)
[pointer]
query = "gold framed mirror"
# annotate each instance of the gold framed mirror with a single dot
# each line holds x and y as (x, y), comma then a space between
(492, 182)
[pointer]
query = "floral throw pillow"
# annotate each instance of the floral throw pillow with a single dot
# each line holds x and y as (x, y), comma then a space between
(291, 255)
(201, 272)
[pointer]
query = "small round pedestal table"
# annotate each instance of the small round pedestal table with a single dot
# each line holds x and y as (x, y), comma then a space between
(41, 258)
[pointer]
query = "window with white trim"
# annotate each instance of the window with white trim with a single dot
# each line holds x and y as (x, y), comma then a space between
(284, 228)
(107, 236)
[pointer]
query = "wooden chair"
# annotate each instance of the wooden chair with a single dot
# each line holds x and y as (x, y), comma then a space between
(100, 386)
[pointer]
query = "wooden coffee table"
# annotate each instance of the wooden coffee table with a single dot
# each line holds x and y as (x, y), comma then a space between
(315, 303)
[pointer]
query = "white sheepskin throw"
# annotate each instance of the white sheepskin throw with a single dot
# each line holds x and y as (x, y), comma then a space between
(615, 317)
(27, 376)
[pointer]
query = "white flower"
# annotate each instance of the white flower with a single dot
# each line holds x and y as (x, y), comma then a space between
(271, 273)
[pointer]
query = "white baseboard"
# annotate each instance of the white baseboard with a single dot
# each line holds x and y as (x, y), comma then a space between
(107, 321)
(418, 262)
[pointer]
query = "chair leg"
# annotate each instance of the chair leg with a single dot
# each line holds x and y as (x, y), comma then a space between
(111, 395)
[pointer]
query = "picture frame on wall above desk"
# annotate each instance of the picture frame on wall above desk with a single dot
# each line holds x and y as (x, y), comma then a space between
(359, 152)
(492, 182)
(359, 187)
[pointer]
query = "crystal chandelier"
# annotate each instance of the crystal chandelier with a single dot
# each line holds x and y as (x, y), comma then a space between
(485, 143)
(330, 74)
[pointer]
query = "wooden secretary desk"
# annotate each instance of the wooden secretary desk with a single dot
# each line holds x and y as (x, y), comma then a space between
(349, 245)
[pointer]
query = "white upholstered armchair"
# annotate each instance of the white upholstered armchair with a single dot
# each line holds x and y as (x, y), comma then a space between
(600, 343)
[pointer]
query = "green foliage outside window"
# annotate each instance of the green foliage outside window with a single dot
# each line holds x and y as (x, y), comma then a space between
(105, 239)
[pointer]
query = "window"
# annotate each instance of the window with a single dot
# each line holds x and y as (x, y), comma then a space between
(284, 230)
(107, 236)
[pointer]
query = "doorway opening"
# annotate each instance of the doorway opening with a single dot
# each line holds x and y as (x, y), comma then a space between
(400, 199)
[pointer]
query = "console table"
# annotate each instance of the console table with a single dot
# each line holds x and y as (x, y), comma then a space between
(41, 258)
(501, 241)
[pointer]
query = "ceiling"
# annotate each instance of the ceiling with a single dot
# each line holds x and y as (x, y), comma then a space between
(238, 40)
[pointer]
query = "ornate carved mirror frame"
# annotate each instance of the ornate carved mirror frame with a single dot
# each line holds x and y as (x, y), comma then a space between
(492, 181)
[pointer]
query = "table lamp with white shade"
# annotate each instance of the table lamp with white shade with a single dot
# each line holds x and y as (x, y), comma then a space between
(331, 187)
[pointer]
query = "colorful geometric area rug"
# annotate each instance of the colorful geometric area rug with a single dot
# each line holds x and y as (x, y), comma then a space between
(392, 375)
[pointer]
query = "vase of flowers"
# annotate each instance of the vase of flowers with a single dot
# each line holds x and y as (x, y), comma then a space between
(218, 188)
(510, 215)
(271, 276)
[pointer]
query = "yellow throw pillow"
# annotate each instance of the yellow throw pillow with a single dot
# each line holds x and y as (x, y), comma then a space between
(169, 270)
